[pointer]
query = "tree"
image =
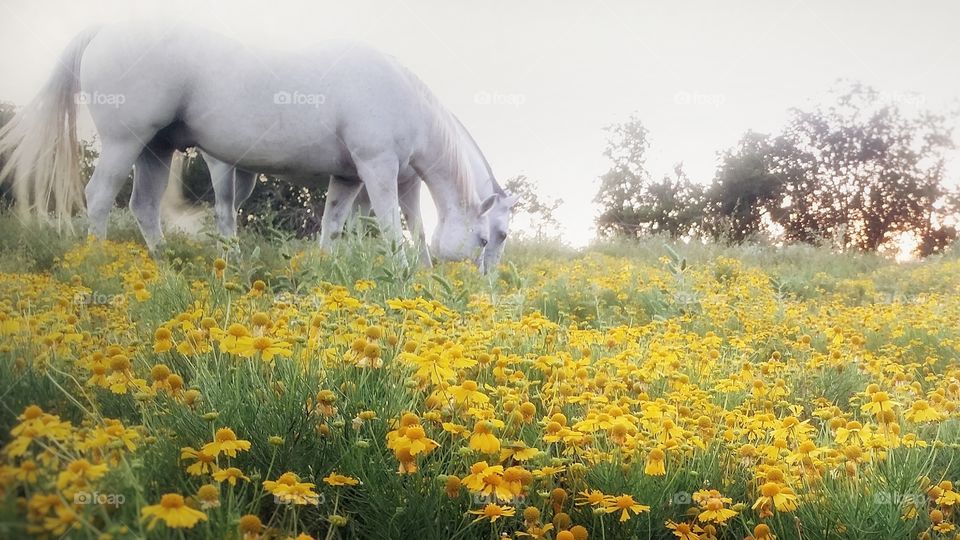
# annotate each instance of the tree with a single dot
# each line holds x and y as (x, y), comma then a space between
(622, 185)
(284, 205)
(673, 206)
(939, 232)
(744, 191)
(632, 203)
(540, 213)
(858, 174)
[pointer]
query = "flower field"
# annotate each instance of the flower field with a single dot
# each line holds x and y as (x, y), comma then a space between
(290, 394)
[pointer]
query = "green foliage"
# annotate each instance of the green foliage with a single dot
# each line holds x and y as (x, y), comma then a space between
(856, 174)
(632, 204)
(539, 212)
(288, 204)
(658, 287)
(744, 191)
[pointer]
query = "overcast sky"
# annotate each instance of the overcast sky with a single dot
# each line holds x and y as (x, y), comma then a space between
(536, 81)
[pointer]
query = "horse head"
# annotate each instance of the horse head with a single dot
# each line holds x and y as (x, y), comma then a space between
(498, 225)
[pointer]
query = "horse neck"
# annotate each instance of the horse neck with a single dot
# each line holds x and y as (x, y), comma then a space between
(450, 173)
(448, 170)
(486, 184)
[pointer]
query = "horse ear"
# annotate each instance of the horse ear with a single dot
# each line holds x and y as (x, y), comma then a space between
(511, 200)
(488, 204)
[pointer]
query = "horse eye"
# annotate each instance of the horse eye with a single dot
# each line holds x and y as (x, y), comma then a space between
(502, 236)
(483, 242)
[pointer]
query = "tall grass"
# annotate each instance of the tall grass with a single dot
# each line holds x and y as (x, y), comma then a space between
(753, 354)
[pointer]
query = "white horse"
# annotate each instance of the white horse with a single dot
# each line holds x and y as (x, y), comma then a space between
(233, 186)
(339, 109)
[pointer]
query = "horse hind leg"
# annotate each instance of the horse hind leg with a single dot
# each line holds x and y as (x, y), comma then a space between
(224, 178)
(151, 174)
(231, 187)
(245, 182)
(362, 204)
(116, 159)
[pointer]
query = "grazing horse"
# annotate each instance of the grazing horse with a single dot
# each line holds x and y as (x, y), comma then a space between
(336, 109)
(233, 186)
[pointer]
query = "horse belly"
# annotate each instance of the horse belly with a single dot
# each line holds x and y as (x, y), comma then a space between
(274, 145)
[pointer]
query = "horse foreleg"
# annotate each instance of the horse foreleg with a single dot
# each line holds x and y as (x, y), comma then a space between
(410, 206)
(340, 195)
(151, 174)
(116, 160)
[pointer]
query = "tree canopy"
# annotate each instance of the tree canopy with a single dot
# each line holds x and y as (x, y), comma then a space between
(858, 174)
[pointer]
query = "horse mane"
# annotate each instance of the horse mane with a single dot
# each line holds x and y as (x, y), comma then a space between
(493, 179)
(445, 126)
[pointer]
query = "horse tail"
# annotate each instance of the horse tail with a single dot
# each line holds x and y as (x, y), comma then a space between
(41, 144)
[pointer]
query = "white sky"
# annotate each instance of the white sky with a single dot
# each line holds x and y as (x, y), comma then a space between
(536, 81)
